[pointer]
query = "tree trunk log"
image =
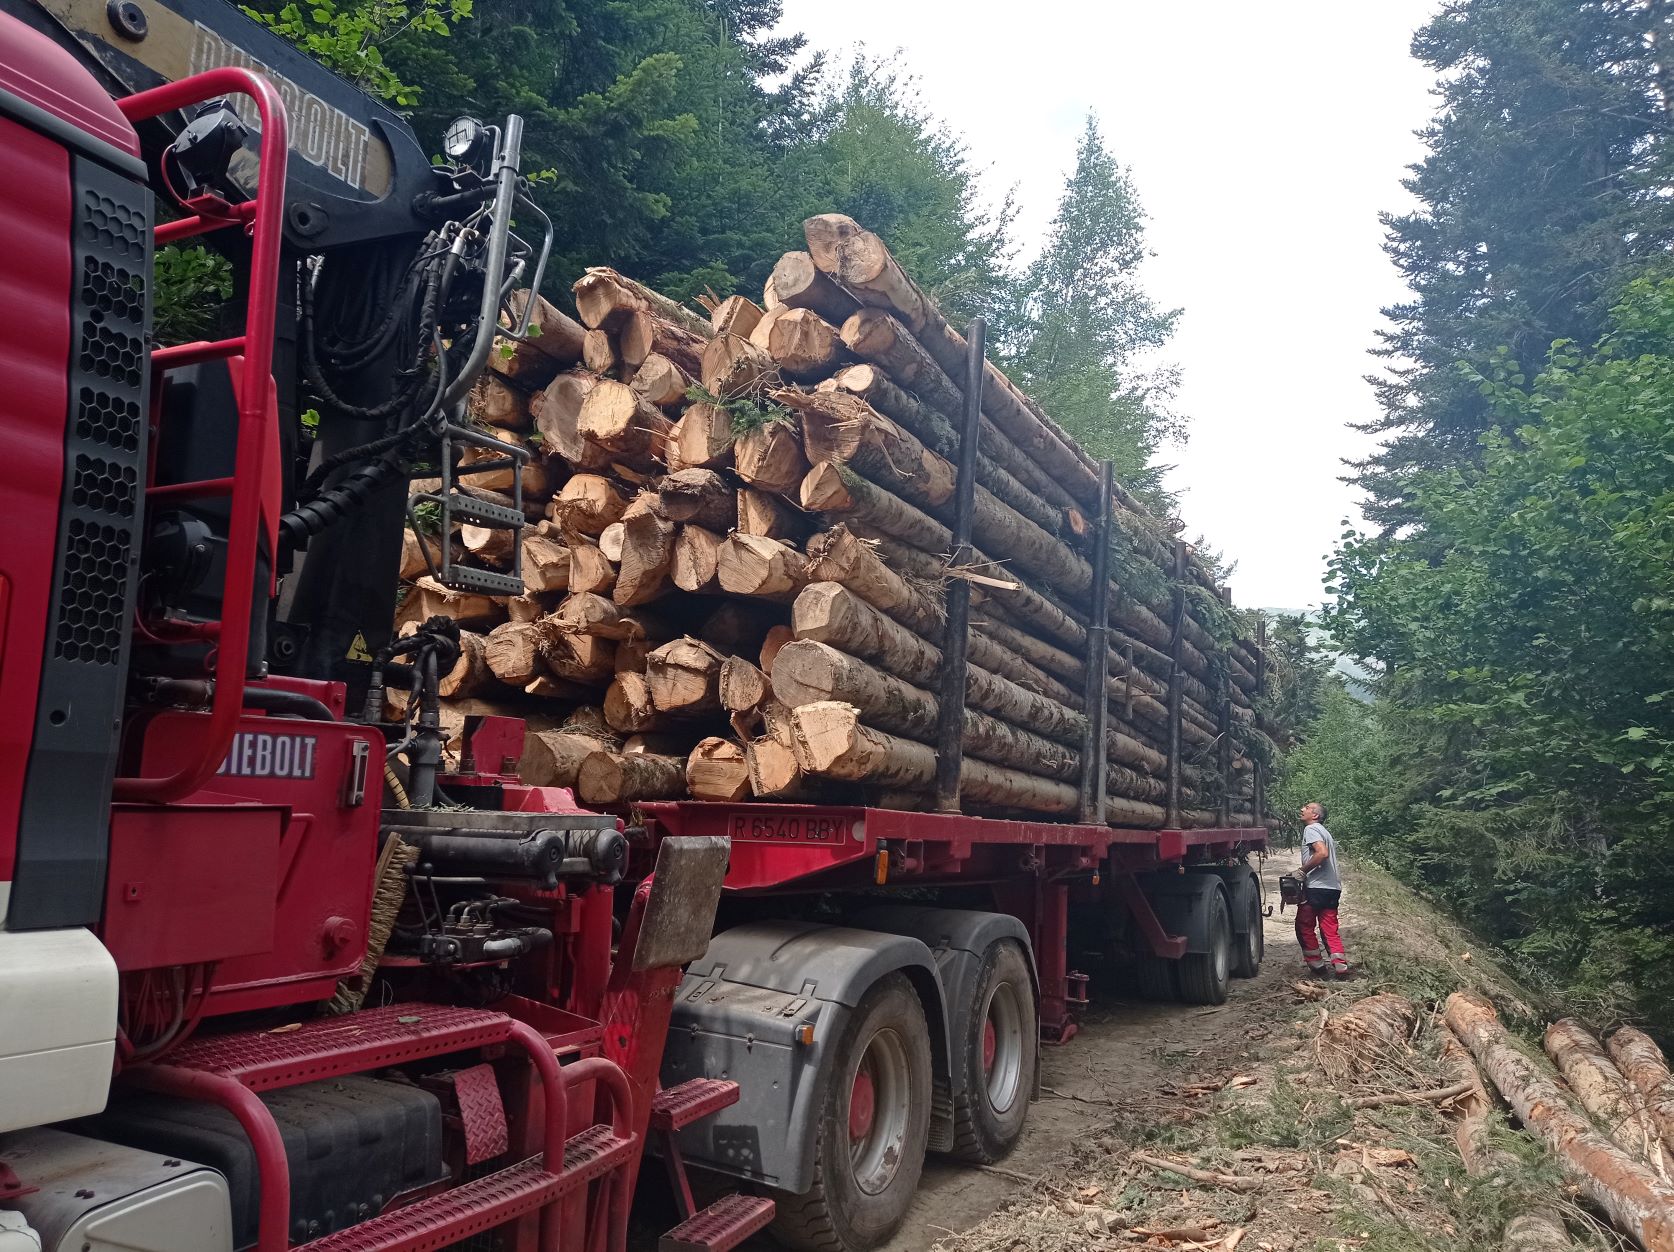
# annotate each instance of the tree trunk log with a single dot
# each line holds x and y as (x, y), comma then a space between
(803, 344)
(717, 770)
(1604, 1091)
(578, 658)
(743, 686)
(590, 570)
(587, 504)
(1638, 1056)
(750, 565)
(839, 556)
(701, 439)
(701, 497)
(1640, 1203)
(586, 613)
(495, 402)
(685, 677)
(845, 430)
(604, 299)
(557, 414)
(832, 488)
(733, 366)
(644, 335)
(552, 758)
(762, 513)
(413, 550)
(607, 778)
(769, 457)
(551, 330)
(737, 627)
(799, 284)
(512, 653)
(736, 315)
(470, 673)
(614, 417)
(546, 563)
(696, 552)
(659, 381)
(774, 773)
(627, 704)
(647, 555)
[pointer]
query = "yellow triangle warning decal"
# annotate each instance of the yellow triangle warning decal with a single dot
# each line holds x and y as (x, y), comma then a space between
(358, 650)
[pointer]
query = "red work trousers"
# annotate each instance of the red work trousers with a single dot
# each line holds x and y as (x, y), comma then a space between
(1320, 909)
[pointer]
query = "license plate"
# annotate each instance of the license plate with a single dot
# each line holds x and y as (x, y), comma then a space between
(793, 828)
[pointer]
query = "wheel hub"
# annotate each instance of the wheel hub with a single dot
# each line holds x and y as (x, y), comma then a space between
(880, 1108)
(990, 1045)
(863, 1102)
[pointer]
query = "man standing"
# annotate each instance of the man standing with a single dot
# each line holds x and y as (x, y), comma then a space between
(1323, 889)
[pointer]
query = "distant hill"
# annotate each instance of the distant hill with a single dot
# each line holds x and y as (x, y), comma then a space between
(1357, 679)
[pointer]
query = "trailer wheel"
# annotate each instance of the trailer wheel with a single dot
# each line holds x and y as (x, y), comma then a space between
(1206, 977)
(1153, 978)
(999, 1054)
(1253, 950)
(872, 1131)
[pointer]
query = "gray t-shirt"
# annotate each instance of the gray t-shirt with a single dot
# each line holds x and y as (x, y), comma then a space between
(1324, 875)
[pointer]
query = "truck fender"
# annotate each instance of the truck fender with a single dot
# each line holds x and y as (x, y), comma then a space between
(1242, 884)
(958, 940)
(1181, 903)
(739, 1014)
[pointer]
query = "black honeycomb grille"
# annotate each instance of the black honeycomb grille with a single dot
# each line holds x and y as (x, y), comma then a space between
(108, 419)
(111, 354)
(112, 290)
(104, 486)
(91, 597)
(118, 228)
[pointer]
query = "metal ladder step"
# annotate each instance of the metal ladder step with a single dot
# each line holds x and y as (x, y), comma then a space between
(481, 512)
(674, 1108)
(721, 1227)
(483, 581)
(483, 1203)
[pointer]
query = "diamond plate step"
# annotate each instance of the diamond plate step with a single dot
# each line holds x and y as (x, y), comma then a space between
(674, 1108)
(721, 1227)
(330, 1047)
(483, 1203)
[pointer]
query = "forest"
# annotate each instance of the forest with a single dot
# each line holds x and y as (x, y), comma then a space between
(1511, 586)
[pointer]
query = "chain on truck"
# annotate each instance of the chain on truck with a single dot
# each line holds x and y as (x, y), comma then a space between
(216, 1030)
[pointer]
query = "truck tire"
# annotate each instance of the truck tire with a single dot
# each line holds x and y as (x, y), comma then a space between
(1153, 978)
(1252, 946)
(1206, 977)
(998, 1058)
(872, 1129)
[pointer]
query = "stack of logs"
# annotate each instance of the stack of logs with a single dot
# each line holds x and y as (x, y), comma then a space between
(739, 555)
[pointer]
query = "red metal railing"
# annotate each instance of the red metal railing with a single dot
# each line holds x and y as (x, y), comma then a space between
(263, 217)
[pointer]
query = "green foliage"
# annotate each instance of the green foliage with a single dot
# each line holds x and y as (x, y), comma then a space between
(1339, 762)
(1525, 629)
(1084, 323)
(189, 286)
(1542, 192)
(748, 412)
(349, 36)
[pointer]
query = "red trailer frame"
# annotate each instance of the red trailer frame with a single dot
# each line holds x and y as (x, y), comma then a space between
(1031, 865)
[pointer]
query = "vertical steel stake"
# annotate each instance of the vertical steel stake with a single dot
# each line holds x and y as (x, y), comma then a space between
(1260, 781)
(1173, 817)
(1095, 699)
(950, 729)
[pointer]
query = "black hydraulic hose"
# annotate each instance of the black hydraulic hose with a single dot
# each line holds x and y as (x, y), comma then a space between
(287, 704)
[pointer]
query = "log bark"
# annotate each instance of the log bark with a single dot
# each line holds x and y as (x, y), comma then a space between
(875, 336)
(799, 284)
(839, 556)
(733, 366)
(605, 299)
(776, 638)
(1637, 1201)
(608, 778)
(512, 653)
(701, 439)
(614, 417)
(845, 430)
(1604, 1091)
(685, 677)
(557, 414)
(587, 504)
(696, 551)
(647, 556)
(701, 497)
(1638, 1056)
(769, 457)
(551, 330)
(750, 565)
(829, 488)
(717, 770)
(552, 758)
(802, 344)
(736, 315)
(495, 402)
(586, 613)
(661, 382)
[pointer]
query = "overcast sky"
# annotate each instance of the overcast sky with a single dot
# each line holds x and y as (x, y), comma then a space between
(1264, 139)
